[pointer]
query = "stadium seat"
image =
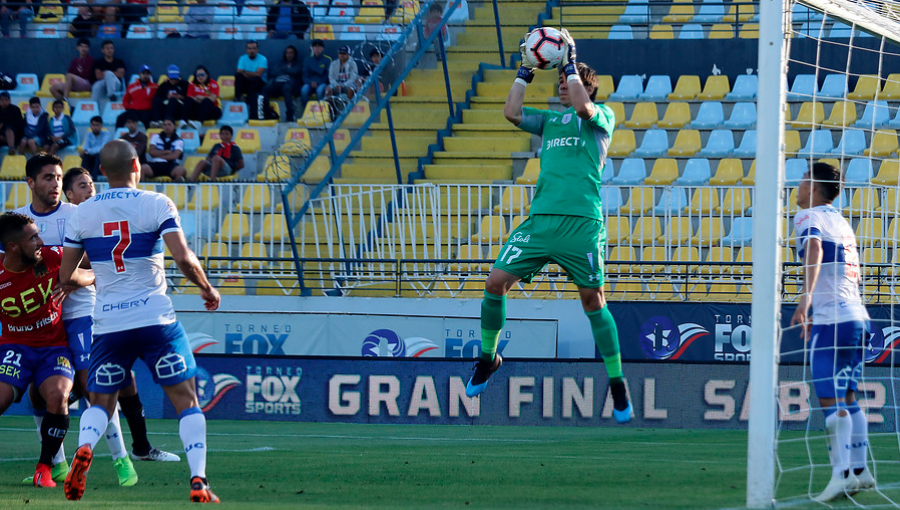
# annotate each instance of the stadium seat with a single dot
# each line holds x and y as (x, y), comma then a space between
(27, 84)
(643, 116)
(677, 115)
(870, 231)
(358, 115)
(750, 178)
(226, 87)
(139, 31)
(605, 87)
(843, 113)
(791, 142)
(250, 255)
(259, 199)
(248, 140)
(628, 289)
(687, 143)
(740, 10)
(620, 32)
(715, 88)
(646, 231)
(686, 88)
(862, 202)
(84, 111)
(658, 88)
(704, 201)
(867, 86)
(533, 169)
(630, 87)
(743, 116)
(618, 229)
(710, 116)
(606, 175)
(50, 79)
(744, 259)
(19, 195)
(655, 143)
(205, 198)
(316, 114)
(709, 233)
(512, 201)
(819, 142)
(618, 111)
(672, 201)
(690, 31)
(165, 30)
(211, 138)
(267, 122)
(810, 115)
(276, 168)
(721, 31)
(640, 200)
(663, 290)
(728, 173)
(317, 171)
(696, 173)
(803, 88)
(735, 202)
(635, 13)
(660, 32)
(632, 172)
(718, 260)
(111, 112)
(685, 259)
(859, 172)
(678, 232)
(711, 11)
(49, 32)
(681, 11)
(491, 231)
(794, 169)
(664, 172)
(234, 114)
(191, 138)
(235, 227)
(622, 143)
(745, 88)
(834, 86)
(274, 229)
(620, 253)
(296, 141)
(215, 250)
(611, 198)
(888, 173)
(853, 142)
(884, 143)
(803, 14)
(719, 145)
(13, 168)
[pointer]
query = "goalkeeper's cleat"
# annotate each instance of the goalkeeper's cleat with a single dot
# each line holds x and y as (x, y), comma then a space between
(157, 455)
(837, 488)
(59, 471)
(483, 370)
(622, 409)
(865, 480)
(623, 416)
(200, 492)
(42, 477)
(77, 477)
(125, 472)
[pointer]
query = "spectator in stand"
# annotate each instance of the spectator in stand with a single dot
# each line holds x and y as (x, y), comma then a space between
(224, 159)
(199, 20)
(169, 100)
(315, 73)
(138, 100)
(203, 97)
(36, 130)
(10, 122)
(365, 70)
(287, 18)
(110, 27)
(131, 12)
(136, 138)
(166, 148)
(79, 75)
(20, 10)
(94, 140)
(62, 129)
(343, 75)
(85, 24)
(432, 21)
(109, 73)
(287, 82)
(250, 79)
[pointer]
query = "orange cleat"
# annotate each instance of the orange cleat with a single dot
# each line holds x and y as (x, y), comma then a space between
(200, 492)
(42, 477)
(77, 477)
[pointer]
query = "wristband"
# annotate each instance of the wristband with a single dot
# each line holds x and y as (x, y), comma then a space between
(573, 78)
(524, 76)
(521, 82)
(570, 70)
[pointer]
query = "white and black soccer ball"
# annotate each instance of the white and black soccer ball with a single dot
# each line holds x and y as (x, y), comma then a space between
(544, 48)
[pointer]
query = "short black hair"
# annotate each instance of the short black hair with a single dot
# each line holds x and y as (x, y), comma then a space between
(227, 128)
(59, 102)
(37, 163)
(34, 99)
(828, 179)
(318, 42)
(375, 51)
(83, 40)
(70, 176)
(11, 226)
(105, 43)
(252, 41)
(97, 118)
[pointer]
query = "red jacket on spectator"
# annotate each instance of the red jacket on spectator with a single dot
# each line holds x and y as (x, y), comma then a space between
(199, 90)
(139, 96)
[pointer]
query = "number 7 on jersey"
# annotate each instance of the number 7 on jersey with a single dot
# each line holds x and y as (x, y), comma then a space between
(120, 229)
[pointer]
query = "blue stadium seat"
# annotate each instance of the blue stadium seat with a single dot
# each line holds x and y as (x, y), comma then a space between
(711, 11)
(859, 172)
(803, 88)
(801, 14)
(606, 176)
(654, 144)
(111, 112)
(710, 116)
(745, 88)
(658, 88)
(636, 13)
(794, 169)
(611, 198)
(620, 32)
(853, 142)
(84, 112)
(191, 138)
(840, 30)
(812, 29)
(834, 86)
(719, 145)
(743, 116)
(696, 173)
(875, 114)
(234, 114)
(747, 148)
(819, 143)
(895, 122)
(843, 200)
(691, 31)
(672, 201)
(630, 87)
(632, 172)
(27, 84)
(741, 233)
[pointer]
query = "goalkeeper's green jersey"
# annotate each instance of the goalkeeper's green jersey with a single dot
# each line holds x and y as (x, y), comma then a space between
(573, 152)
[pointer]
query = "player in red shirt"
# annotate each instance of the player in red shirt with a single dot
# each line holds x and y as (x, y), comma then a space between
(33, 345)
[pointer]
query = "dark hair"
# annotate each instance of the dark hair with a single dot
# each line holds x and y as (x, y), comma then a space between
(169, 119)
(70, 176)
(105, 43)
(228, 128)
(375, 51)
(97, 118)
(436, 7)
(34, 165)
(11, 226)
(83, 40)
(34, 99)
(203, 67)
(252, 41)
(59, 102)
(290, 47)
(588, 77)
(318, 42)
(828, 179)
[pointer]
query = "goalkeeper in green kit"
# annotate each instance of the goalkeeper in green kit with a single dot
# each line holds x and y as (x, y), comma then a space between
(566, 222)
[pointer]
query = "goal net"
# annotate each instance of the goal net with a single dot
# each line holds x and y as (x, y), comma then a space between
(828, 93)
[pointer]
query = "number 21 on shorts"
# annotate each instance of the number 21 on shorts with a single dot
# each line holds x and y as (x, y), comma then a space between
(510, 253)
(118, 229)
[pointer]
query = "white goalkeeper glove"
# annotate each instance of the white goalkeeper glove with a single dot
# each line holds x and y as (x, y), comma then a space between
(526, 62)
(569, 65)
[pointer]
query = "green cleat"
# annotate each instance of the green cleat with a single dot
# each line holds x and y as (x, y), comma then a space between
(125, 471)
(57, 473)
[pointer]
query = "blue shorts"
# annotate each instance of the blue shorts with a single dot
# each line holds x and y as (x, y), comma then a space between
(80, 332)
(21, 365)
(164, 348)
(836, 357)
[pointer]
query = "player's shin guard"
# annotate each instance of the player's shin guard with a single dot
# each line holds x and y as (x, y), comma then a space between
(606, 336)
(114, 437)
(493, 317)
(93, 423)
(53, 430)
(859, 439)
(192, 429)
(839, 430)
(133, 411)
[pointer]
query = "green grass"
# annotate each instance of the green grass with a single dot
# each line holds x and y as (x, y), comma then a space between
(344, 466)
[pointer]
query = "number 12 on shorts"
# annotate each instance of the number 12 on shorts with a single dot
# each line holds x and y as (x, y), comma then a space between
(510, 254)
(119, 229)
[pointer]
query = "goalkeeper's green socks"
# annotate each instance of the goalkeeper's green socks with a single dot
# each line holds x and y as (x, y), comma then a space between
(606, 336)
(493, 317)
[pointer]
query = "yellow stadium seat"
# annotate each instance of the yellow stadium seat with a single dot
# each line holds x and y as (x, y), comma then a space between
(872, 255)
(744, 260)
(640, 200)
(19, 196)
(677, 115)
(704, 201)
(686, 89)
(341, 139)
(685, 255)
(687, 143)
(888, 174)
(71, 161)
(891, 202)
(512, 201)
(167, 12)
(843, 114)
(740, 11)
(358, 115)
(277, 168)
(681, 11)
(619, 111)
(617, 230)
(248, 141)
(370, 12)
(316, 114)
(792, 202)
(892, 238)
(653, 254)
(249, 252)
(867, 86)
(259, 199)
(13, 168)
(709, 232)
(235, 227)
(620, 253)
(406, 12)
(209, 140)
(532, 170)
(296, 141)
(50, 12)
(664, 172)
(278, 287)
(274, 229)
(716, 258)
(721, 31)
(317, 170)
(232, 285)
(226, 87)
(870, 231)
(605, 87)
(664, 290)
(728, 173)
(662, 32)
(863, 201)
(750, 178)
(49, 80)
(178, 193)
(323, 31)
(205, 198)
(749, 31)
(643, 116)
(629, 290)
(735, 202)
(791, 141)
(715, 88)
(678, 231)
(891, 90)
(884, 143)
(490, 231)
(214, 250)
(811, 114)
(646, 231)
(622, 144)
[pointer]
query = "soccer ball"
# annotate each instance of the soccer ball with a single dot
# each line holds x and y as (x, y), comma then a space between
(544, 49)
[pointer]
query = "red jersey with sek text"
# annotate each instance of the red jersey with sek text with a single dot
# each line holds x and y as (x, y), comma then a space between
(27, 310)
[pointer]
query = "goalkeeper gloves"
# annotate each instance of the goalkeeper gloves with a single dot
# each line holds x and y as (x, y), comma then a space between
(570, 66)
(523, 51)
(525, 74)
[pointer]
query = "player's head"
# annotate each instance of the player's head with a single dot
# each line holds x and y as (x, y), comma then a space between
(43, 173)
(821, 184)
(19, 237)
(119, 162)
(588, 78)
(77, 185)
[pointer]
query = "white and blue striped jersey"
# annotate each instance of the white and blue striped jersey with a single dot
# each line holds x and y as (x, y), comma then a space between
(836, 297)
(121, 231)
(52, 229)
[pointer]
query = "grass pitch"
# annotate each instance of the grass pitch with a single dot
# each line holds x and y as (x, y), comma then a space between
(344, 466)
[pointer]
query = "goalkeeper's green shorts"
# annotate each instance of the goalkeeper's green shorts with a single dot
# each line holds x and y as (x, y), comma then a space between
(576, 243)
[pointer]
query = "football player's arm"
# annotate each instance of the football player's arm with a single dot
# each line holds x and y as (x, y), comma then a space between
(581, 101)
(811, 269)
(190, 266)
(512, 110)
